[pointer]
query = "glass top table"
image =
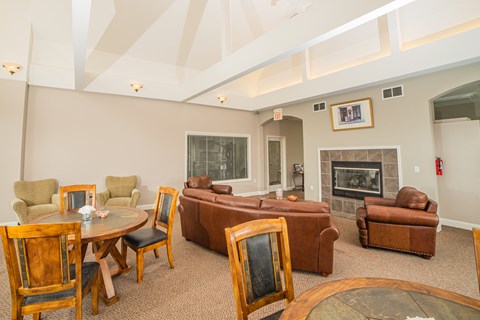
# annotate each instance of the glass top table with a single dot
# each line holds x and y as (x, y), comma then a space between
(104, 233)
(374, 298)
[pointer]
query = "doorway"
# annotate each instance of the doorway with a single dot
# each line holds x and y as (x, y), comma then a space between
(276, 162)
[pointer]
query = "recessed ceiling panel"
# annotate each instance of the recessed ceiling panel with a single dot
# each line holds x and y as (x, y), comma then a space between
(442, 15)
(349, 48)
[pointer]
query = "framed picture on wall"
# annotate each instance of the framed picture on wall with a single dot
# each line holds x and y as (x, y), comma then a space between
(348, 115)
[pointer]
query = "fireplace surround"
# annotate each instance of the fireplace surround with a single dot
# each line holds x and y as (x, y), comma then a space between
(345, 207)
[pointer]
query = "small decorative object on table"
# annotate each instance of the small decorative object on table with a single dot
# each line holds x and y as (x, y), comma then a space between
(86, 212)
(102, 213)
(292, 197)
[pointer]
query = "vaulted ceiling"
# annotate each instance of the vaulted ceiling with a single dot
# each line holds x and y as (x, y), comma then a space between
(257, 53)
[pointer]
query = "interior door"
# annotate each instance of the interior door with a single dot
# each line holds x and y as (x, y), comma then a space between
(274, 163)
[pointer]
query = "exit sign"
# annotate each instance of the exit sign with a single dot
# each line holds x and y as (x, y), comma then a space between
(277, 114)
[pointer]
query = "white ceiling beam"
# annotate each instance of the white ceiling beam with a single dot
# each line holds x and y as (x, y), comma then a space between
(322, 21)
(81, 10)
(394, 31)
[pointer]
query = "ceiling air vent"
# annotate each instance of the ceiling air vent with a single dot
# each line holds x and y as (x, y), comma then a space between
(393, 92)
(320, 106)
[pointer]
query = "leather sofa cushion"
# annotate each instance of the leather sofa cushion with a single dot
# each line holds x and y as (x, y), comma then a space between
(411, 198)
(289, 206)
(238, 201)
(200, 182)
(200, 194)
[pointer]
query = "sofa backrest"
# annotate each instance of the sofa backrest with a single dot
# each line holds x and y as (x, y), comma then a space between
(199, 182)
(200, 194)
(409, 197)
(35, 192)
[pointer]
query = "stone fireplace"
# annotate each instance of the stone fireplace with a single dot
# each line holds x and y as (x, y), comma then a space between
(349, 175)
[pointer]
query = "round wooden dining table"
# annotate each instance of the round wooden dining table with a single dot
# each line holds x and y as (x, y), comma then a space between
(375, 298)
(104, 234)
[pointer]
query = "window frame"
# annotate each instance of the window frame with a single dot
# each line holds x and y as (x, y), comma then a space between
(226, 135)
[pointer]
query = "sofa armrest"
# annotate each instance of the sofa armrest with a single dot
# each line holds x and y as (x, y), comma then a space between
(135, 196)
(404, 216)
(379, 201)
(102, 197)
(20, 208)
(222, 188)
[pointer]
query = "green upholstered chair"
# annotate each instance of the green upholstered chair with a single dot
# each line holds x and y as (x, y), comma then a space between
(121, 191)
(35, 199)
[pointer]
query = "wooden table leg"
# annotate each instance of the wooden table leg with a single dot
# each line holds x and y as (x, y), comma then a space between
(102, 250)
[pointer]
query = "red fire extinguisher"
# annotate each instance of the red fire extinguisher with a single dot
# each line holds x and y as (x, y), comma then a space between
(439, 166)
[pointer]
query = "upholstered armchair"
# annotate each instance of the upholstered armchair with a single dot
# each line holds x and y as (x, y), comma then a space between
(121, 191)
(407, 223)
(205, 183)
(35, 199)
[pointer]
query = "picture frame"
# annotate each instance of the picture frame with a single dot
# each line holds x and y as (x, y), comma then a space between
(357, 114)
(297, 167)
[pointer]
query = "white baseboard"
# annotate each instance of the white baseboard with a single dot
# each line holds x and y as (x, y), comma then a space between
(251, 194)
(458, 224)
(146, 206)
(9, 223)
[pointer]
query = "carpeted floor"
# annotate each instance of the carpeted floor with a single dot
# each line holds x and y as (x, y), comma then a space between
(200, 285)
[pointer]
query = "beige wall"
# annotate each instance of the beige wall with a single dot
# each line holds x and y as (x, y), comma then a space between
(292, 130)
(80, 137)
(405, 121)
(12, 112)
(458, 144)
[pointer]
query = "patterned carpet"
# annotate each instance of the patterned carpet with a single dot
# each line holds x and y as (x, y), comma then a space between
(200, 285)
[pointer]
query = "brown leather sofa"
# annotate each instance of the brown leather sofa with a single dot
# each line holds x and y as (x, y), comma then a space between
(311, 228)
(407, 223)
(205, 183)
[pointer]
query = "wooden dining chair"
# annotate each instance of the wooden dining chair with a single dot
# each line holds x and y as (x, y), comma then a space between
(147, 239)
(77, 196)
(256, 250)
(476, 244)
(39, 270)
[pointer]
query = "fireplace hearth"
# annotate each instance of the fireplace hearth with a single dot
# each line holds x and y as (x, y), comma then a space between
(356, 179)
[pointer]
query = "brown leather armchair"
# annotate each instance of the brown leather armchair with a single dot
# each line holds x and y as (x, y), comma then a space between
(205, 183)
(407, 223)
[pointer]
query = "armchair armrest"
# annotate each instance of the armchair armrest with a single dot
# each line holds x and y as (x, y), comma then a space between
(396, 215)
(135, 196)
(102, 197)
(55, 199)
(222, 188)
(20, 208)
(379, 201)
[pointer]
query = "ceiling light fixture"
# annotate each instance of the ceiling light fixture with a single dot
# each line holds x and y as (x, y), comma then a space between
(12, 67)
(136, 86)
(222, 99)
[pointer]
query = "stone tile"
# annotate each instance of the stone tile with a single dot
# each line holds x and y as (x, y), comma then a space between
(348, 155)
(391, 185)
(326, 191)
(390, 195)
(327, 200)
(324, 156)
(326, 167)
(337, 204)
(349, 206)
(374, 155)
(360, 155)
(335, 155)
(390, 155)
(326, 179)
(390, 170)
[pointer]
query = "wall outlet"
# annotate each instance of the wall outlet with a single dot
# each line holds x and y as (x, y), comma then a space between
(416, 169)
(311, 188)
(254, 180)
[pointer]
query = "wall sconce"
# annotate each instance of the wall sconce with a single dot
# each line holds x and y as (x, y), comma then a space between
(136, 86)
(222, 99)
(11, 67)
